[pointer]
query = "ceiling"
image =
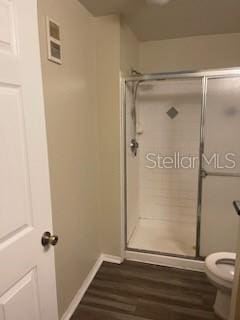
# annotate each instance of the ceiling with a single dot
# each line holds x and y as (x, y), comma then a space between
(177, 19)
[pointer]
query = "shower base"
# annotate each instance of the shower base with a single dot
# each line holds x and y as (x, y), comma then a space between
(165, 237)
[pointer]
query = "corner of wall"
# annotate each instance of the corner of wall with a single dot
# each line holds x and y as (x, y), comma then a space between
(108, 92)
(130, 49)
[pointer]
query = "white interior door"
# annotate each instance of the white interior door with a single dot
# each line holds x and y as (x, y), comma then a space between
(27, 276)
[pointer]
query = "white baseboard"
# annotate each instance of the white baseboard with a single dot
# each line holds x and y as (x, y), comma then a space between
(78, 297)
(111, 259)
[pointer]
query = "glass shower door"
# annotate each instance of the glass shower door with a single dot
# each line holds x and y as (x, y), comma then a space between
(161, 179)
(221, 166)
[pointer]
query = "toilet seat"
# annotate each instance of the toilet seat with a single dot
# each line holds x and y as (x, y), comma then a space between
(220, 272)
(220, 268)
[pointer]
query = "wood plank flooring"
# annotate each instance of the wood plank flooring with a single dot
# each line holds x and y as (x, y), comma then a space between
(136, 291)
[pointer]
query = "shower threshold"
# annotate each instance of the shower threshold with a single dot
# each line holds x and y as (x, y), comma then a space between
(166, 237)
(156, 258)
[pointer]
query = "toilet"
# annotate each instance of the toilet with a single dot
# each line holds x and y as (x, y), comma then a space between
(220, 269)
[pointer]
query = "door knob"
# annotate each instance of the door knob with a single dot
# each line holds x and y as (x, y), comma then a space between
(48, 239)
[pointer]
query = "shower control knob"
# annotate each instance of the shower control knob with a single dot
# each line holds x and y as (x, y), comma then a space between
(134, 146)
(48, 239)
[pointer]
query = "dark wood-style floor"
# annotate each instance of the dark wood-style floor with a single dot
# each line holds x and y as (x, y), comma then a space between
(136, 291)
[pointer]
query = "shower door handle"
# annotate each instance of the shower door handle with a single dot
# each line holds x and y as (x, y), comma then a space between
(204, 173)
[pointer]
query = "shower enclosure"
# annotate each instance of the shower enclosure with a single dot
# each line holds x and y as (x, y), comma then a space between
(182, 162)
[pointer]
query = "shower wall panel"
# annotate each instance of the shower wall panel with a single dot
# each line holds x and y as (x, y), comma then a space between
(169, 125)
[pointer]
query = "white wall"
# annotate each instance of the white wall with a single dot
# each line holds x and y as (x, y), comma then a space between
(73, 142)
(193, 53)
(82, 98)
(129, 50)
(107, 30)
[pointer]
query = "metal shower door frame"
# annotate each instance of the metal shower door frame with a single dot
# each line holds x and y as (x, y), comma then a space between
(204, 76)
